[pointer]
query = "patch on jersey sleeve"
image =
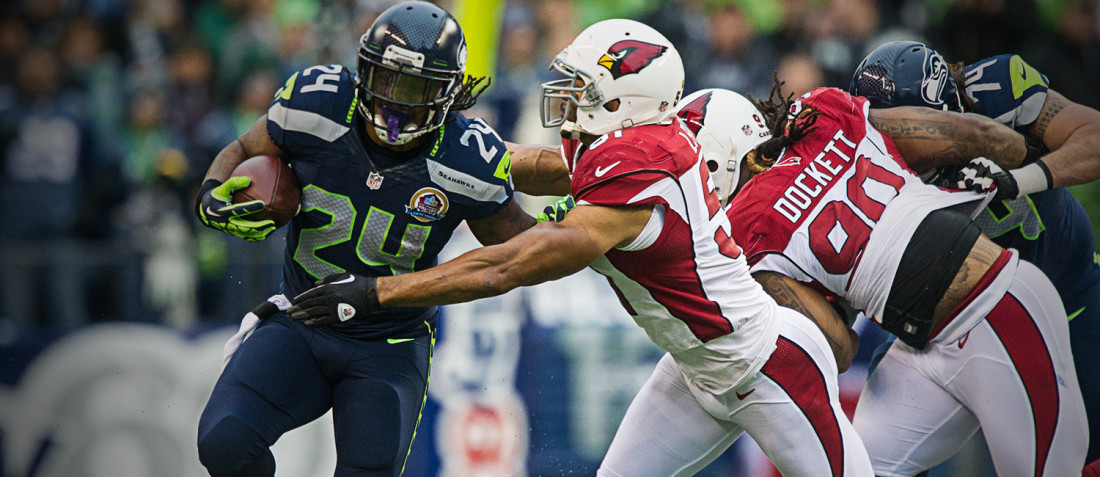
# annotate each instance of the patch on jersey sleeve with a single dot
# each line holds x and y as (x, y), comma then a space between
(504, 168)
(1024, 76)
(288, 88)
(306, 122)
(458, 182)
(1007, 89)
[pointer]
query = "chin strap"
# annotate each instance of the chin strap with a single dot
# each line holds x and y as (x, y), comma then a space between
(570, 130)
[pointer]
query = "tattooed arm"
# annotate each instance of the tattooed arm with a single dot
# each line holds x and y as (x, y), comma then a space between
(793, 294)
(981, 257)
(1072, 133)
(928, 138)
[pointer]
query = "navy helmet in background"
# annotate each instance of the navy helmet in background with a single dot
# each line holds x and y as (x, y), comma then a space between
(906, 73)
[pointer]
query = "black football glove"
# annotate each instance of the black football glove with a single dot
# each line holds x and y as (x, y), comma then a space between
(337, 298)
(215, 210)
(983, 176)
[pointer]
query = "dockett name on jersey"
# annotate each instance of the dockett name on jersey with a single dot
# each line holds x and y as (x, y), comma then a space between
(799, 196)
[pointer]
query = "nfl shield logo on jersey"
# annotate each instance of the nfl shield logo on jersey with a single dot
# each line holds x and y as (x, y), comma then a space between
(427, 204)
(747, 130)
(374, 180)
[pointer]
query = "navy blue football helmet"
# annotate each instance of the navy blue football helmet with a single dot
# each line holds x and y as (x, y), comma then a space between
(906, 73)
(411, 65)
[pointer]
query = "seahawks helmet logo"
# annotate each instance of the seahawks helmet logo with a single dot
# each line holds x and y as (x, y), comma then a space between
(936, 75)
(629, 57)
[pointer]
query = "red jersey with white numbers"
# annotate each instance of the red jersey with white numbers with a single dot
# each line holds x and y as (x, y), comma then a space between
(683, 279)
(839, 207)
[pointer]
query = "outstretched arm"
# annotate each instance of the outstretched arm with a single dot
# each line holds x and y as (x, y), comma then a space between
(545, 252)
(793, 294)
(1072, 133)
(928, 138)
(538, 170)
(501, 226)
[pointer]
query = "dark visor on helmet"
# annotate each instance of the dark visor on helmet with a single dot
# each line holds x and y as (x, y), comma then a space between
(404, 86)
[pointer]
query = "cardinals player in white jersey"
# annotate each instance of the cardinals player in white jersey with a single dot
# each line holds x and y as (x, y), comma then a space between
(648, 218)
(983, 339)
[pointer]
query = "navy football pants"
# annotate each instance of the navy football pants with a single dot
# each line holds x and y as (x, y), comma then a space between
(286, 375)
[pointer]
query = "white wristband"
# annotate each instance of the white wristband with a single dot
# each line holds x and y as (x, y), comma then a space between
(1032, 178)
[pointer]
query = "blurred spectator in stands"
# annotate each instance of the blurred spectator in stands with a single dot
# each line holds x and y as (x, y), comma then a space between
(98, 72)
(45, 19)
(558, 25)
(793, 33)
(1070, 55)
(298, 24)
(14, 37)
(252, 43)
(45, 153)
(223, 125)
(519, 70)
(154, 221)
(841, 36)
(152, 23)
(972, 30)
(800, 74)
(735, 57)
(680, 22)
(191, 83)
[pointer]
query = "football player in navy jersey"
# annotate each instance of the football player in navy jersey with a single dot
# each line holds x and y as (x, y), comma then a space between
(388, 169)
(1032, 212)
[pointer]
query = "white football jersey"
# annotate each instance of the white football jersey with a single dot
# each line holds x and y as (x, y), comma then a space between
(839, 207)
(683, 280)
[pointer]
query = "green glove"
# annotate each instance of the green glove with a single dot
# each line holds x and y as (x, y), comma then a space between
(556, 212)
(217, 212)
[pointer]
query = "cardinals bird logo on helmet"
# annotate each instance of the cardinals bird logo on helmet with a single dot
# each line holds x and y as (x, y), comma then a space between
(692, 113)
(629, 57)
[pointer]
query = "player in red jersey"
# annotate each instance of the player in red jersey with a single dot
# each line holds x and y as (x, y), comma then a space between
(984, 338)
(648, 218)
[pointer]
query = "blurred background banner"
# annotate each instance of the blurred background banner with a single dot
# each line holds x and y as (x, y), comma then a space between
(115, 302)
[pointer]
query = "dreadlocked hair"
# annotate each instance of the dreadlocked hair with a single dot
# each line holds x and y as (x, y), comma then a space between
(958, 73)
(784, 133)
(470, 90)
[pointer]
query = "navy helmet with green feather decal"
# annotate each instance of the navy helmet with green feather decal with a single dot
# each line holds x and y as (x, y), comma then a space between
(410, 68)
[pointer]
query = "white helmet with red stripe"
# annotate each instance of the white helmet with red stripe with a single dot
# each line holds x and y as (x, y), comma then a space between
(727, 126)
(613, 60)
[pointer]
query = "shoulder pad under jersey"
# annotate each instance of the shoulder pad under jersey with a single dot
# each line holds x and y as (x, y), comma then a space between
(633, 159)
(469, 159)
(315, 107)
(1006, 89)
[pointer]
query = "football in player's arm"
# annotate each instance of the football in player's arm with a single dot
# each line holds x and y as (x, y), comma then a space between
(389, 169)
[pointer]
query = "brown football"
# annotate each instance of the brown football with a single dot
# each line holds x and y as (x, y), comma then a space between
(272, 182)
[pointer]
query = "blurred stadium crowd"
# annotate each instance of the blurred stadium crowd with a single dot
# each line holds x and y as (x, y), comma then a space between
(111, 110)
